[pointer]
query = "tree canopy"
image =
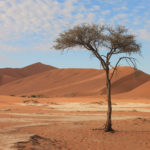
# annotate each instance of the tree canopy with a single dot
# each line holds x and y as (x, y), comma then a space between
(92, 37)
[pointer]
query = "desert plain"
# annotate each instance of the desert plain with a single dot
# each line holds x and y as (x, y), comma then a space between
(45, 108)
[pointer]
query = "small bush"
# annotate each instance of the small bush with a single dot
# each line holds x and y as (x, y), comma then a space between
(23, 96)
(36, 96)
(70, 95)
(30, 101)
(33, 96)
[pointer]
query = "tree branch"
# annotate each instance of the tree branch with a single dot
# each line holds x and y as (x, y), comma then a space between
(100, 58)
(128, 59)
(95, 52)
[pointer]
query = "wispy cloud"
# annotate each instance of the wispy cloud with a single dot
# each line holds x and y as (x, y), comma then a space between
(22, 18)
(105, 12)
(45, 19)
(143, 34)
(8, 47)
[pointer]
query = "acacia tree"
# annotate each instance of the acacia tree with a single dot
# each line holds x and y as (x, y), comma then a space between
(104, 42)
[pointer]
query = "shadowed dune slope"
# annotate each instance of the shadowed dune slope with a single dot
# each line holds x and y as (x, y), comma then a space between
(128, 82)
(11, 74)
(142, 91)
(75, 82)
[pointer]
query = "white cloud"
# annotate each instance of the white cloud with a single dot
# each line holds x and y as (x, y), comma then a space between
(95, 8)
(7, 60)
(19, 19)
(42, 17)
(136, 21)
(119, 16)
(122, 8)
(101, 20)
(106, 12)
(7, 47)
(41, 47)
(30, 16)
(143, 34)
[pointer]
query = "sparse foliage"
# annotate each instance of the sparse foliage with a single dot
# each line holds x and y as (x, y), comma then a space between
(104, 42)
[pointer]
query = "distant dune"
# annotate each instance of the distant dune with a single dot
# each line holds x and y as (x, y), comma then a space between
(11, 74)
(40, 79)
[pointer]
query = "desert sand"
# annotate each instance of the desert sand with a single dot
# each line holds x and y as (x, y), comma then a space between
(65, 109)
(72, 124)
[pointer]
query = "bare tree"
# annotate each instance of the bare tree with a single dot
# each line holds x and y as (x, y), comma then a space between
(104, 42)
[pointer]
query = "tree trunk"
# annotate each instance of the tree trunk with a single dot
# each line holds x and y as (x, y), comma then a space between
(108, 125)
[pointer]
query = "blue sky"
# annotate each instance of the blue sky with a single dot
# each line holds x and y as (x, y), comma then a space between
(28, 29)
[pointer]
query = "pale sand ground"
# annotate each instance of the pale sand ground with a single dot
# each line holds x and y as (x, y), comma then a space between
(69, 122)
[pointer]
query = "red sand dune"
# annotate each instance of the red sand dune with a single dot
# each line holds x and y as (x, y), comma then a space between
(11, 74)
(55, 82)
(36, 79)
